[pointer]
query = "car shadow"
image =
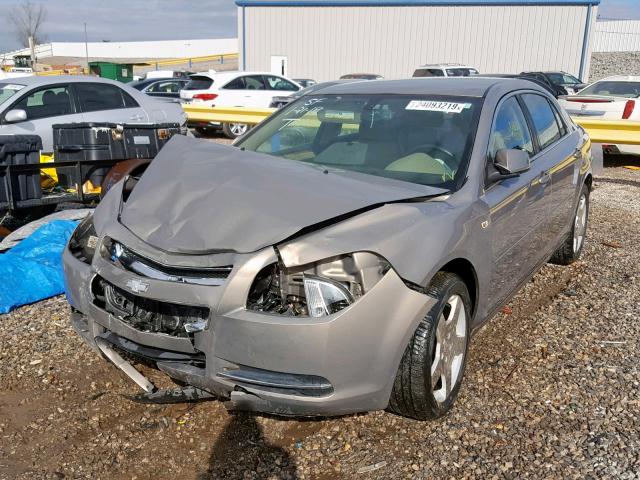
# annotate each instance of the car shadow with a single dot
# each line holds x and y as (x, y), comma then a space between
(241, 451)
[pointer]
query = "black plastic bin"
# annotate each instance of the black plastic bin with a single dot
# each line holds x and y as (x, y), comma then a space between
(144, 140)
(20, 150)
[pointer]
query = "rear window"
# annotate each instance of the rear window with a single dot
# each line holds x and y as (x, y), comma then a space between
(613, 89)
(428, 72)
(461, 72)
(8, 90)
(198, 82)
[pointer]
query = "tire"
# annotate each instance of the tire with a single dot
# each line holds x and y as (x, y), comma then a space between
(203, 131)
(571, 248)
(413, 394)
(234, 130)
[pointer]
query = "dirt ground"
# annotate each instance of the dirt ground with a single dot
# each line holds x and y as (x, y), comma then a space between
(552, 390)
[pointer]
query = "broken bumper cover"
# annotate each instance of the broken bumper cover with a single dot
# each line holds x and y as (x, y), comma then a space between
(342, 363)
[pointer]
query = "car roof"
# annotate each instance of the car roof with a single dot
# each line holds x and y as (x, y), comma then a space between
(230, 75)
(445, 65)
(36, 80)
(462, 86)
(621, 78)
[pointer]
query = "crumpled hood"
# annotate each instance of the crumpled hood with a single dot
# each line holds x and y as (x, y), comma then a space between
(198, 196)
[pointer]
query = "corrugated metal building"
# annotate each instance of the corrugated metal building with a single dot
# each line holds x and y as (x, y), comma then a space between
(617, 36)
(323, 39)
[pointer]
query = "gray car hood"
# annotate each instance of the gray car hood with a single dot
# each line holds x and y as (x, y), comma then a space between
(198, 196)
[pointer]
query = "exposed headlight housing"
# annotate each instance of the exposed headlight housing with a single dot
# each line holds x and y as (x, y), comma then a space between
(325, 296)
(317, 289)
(84, 240)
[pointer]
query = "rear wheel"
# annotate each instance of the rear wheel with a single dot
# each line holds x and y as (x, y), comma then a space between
(571, 249)
(234, 130)
(431, 370)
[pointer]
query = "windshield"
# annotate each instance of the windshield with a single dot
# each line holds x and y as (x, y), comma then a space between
(198, 82)
(461, 72)
(418, 139)
(563, 79)
(613, 89)
(8, 90)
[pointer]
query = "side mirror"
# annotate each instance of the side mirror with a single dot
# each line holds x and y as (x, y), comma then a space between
(512, 160)
(16, 115)
(509, 163)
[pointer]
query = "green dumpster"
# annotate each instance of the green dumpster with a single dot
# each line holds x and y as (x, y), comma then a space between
(114, 71)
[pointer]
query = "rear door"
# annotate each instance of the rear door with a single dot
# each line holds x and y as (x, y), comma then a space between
(44, 106)
(517, 205)
(559, 154)
(104, 102)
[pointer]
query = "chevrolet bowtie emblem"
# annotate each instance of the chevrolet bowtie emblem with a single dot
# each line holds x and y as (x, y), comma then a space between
(137, 286)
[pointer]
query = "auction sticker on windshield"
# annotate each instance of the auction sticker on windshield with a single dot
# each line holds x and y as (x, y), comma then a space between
(435, 106)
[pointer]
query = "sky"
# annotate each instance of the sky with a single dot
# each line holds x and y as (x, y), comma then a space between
(123, 20)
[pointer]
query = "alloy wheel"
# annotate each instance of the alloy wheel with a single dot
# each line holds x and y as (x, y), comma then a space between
(450, 348)
(580, 223)
(238, 129)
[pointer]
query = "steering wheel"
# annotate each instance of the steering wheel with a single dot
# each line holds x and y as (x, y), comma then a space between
(428, 148)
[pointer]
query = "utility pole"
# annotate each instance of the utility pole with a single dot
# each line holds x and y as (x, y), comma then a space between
(86, 46)
(32, 47)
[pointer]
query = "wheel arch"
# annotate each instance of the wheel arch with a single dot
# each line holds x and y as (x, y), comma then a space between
(467, 272)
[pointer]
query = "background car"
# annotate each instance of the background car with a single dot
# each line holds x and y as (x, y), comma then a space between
(305, 82)
(165, 88)
(552, 89)
(561, 80)
(612, 98)
(361, 76)
(234, 89)
(31, 105)
(445, 70)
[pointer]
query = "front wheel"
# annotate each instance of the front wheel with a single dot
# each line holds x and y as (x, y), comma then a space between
(431, 370)
(235, 130)
(571, 249)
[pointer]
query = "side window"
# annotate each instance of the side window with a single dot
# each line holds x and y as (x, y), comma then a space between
(544, 120)
(254, 83)
(46, 102)
(510, 129)
(102, 96)
(429, 72)
(277, 83)
(560, 120)
(236, 84)
(165, 86)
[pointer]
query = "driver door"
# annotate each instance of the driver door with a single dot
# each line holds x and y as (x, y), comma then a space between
(516, 205)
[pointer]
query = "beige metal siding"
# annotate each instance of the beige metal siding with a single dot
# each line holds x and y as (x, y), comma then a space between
(326, 42)
(617, 36)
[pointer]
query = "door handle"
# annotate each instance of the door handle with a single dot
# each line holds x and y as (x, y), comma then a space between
(544, 178)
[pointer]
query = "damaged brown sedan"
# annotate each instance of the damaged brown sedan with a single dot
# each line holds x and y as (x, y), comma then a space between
(339, 257)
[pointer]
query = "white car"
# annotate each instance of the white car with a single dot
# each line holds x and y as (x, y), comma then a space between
(445, 70)
(612, 98)
(235, 89)
(31, 105)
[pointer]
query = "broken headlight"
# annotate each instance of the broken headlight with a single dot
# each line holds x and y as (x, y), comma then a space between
(317, 289)
(325, 296)
(84, 240)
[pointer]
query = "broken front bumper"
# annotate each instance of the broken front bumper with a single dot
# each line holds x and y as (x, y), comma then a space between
(342, 363)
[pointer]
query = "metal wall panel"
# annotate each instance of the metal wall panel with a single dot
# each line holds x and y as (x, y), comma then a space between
(326, 42)
(617, 36)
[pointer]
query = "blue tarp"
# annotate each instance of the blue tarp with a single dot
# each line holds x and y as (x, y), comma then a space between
(32, 270)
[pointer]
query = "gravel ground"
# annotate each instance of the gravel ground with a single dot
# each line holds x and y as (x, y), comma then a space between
(605, 64)
(552, 390)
